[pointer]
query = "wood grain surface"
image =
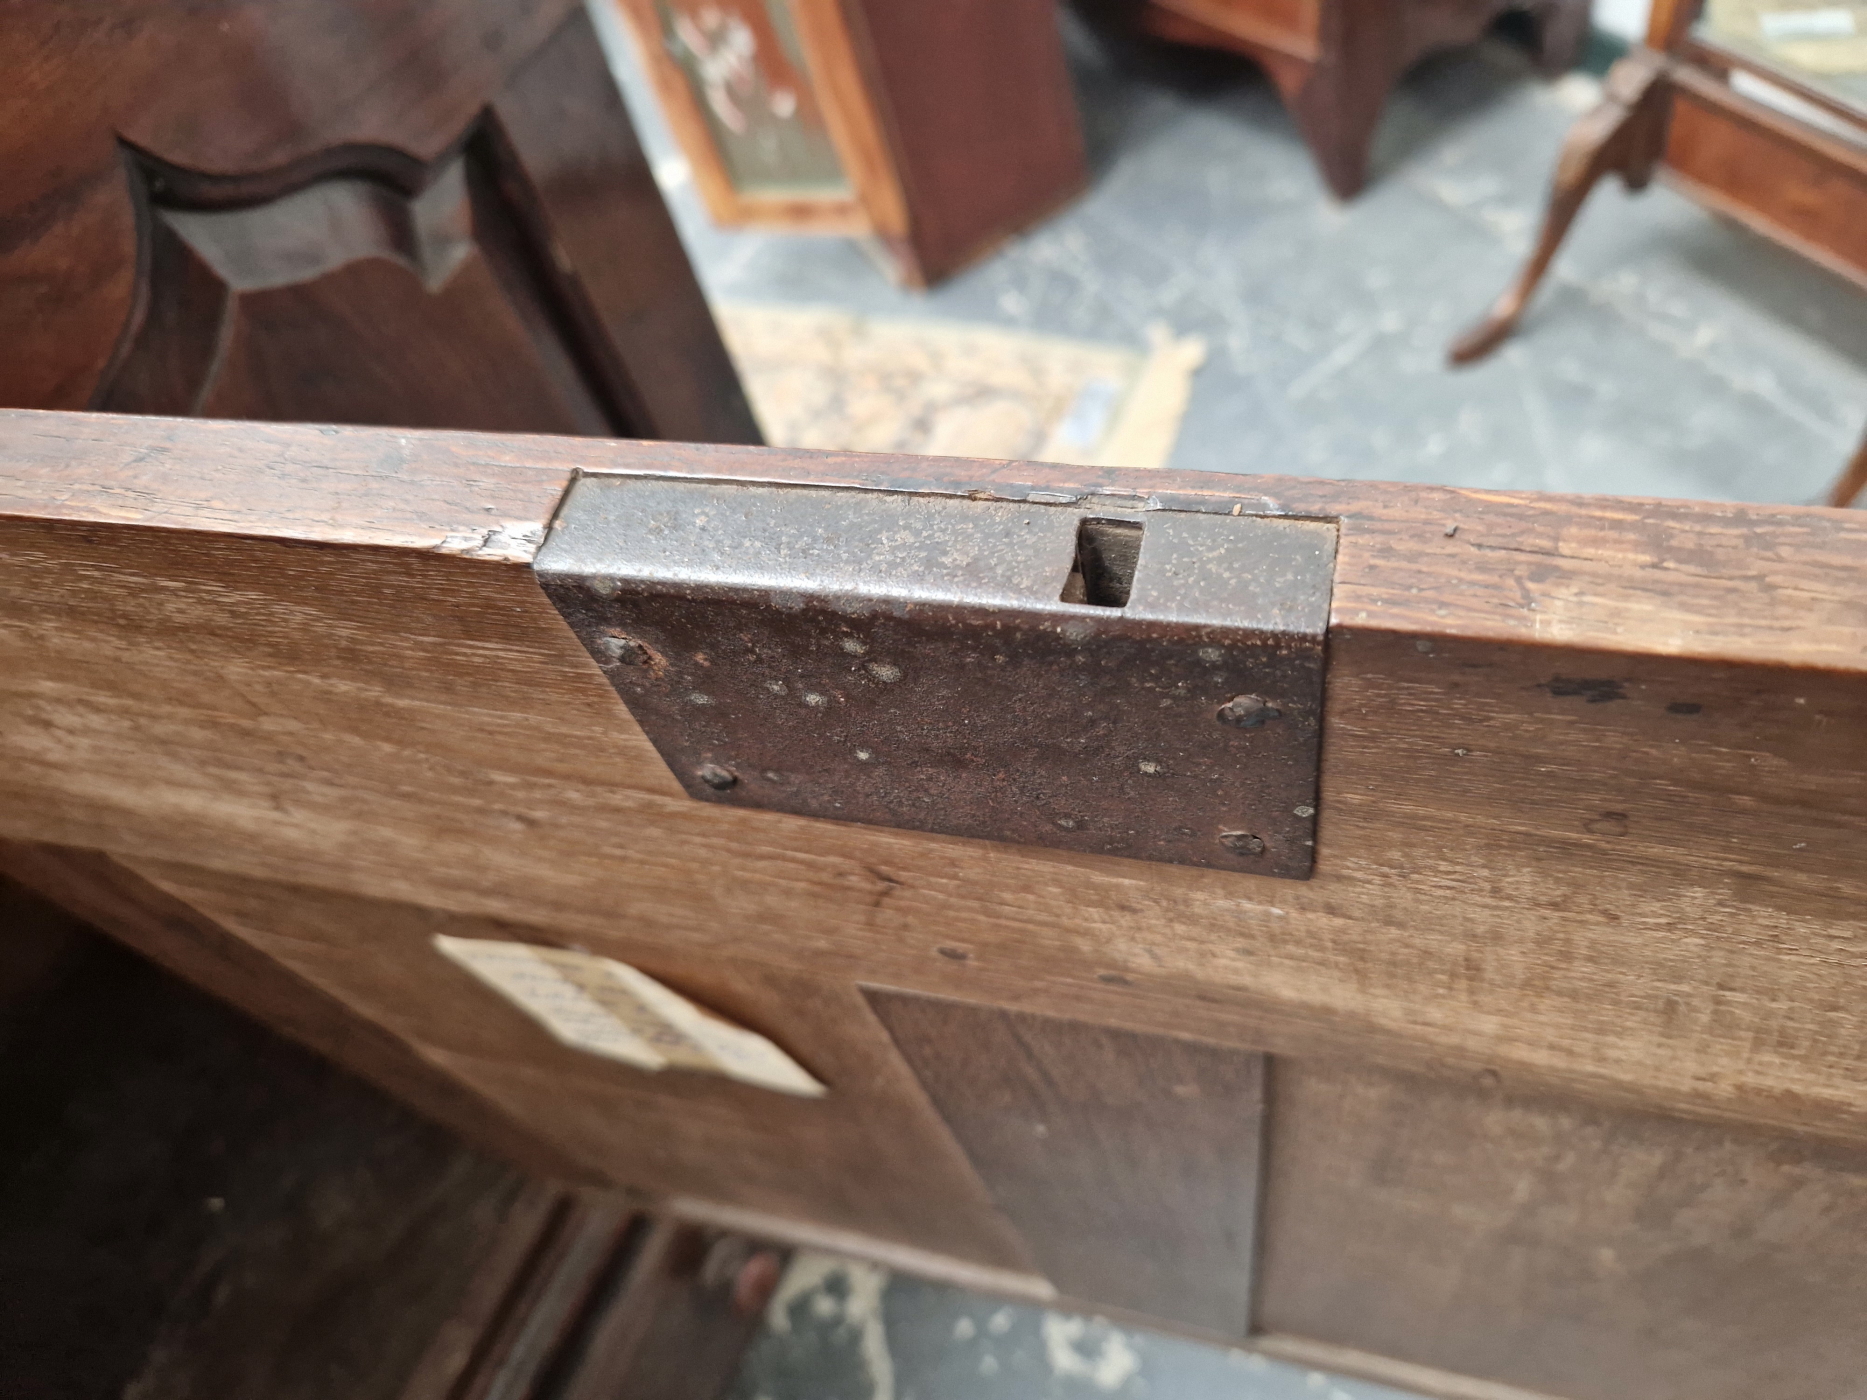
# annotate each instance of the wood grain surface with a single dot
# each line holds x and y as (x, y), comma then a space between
(1588, 839)
(1590, 782)
(1558, 1247)
(1800, 186)
(1128, 1162)
(870, 1158)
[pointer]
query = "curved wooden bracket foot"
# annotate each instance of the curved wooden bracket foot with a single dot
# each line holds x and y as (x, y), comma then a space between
(1624, 136)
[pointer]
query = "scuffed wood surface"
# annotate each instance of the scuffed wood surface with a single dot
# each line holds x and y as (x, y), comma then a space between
(1129, 1162)
(1552, 1246)
(1710, 581)
(282, 481)
(1592, 776)
(868, 1158)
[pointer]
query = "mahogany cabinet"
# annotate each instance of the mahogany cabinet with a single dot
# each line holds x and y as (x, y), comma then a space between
(1539, 1073)
(1336, 61)
(403, 212)
(938, 131)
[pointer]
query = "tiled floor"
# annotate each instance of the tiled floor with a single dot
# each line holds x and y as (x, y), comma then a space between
(1671, 354)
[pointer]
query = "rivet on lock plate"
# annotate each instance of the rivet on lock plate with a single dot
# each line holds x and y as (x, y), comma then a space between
(1086, 674)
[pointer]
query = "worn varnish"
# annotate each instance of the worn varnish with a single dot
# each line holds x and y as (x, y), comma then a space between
(675, 1133)
(1588, 836)
(1560, 1247)
(1130, 1162)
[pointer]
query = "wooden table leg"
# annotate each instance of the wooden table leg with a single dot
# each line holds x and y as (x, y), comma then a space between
(1623, 135)
(1853, 481)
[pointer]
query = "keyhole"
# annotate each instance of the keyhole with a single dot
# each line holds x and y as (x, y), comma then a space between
(1106, 554)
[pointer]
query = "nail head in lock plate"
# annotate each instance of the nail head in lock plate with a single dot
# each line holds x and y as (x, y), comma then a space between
(1042, 673)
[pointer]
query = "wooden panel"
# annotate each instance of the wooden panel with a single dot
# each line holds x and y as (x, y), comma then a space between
(176, 936)
(227, 89)
(1568, 1249)
(370, 342)
(194, 1208)
(1803, 189)
(1665, 698)
(1129, 1162)
(871, 1157)
(233, 213)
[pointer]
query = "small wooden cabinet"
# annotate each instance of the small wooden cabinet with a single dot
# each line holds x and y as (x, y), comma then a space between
(937, 130)
(1336, 61)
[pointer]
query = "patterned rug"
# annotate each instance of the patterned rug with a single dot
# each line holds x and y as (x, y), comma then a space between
(829, 379)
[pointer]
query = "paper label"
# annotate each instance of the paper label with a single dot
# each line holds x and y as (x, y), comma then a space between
(621, 1013)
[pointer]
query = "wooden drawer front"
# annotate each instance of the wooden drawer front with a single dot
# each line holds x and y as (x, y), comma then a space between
(1806, 196)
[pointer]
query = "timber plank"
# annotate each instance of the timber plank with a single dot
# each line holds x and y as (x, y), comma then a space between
(1554, 1246)
(178, 937)
(1129, 1162)
(1532, 860)
(870, 1158)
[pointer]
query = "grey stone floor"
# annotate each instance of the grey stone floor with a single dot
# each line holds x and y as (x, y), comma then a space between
(1671, 354)
(846, 1331)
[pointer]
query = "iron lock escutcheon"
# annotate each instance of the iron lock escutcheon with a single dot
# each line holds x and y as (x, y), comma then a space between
(1095, 674)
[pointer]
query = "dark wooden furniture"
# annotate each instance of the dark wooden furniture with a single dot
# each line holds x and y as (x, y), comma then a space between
(367, 211)
(938, 130)
(1335, 61)
(1549, 1080)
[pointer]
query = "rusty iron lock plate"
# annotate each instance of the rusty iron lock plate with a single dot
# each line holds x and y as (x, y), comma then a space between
(1130, 682)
